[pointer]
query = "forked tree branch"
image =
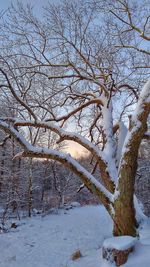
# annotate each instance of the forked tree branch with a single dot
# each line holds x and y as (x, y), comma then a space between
(103, 160)
(37, 152)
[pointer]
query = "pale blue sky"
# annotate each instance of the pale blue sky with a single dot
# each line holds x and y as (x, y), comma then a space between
(4, 4)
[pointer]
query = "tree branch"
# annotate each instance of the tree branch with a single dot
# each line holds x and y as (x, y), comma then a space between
(36, 152)
(18, 99)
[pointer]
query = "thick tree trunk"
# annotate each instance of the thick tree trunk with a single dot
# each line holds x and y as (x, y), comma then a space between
(124, 218)
(124, 221)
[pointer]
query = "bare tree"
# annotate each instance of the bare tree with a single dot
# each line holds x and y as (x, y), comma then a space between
(62, 182)
(62, 75)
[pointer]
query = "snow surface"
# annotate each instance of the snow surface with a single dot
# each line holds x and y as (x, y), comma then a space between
(120, 242)
(51, 240)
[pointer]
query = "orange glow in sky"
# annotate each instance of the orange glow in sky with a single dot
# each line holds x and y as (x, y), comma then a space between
(76, 150)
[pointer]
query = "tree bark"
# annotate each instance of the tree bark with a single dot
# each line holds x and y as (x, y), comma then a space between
(119, 257)
(124, 218)
(125, 222)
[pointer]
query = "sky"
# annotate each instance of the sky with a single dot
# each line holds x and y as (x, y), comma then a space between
(72, 148)
(38, 4)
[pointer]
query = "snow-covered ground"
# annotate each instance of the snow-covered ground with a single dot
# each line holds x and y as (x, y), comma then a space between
(51, 240)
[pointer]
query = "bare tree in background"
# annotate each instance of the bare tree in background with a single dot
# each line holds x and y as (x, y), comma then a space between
(62, 182)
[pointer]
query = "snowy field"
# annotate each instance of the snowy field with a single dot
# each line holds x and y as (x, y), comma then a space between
(51, 240)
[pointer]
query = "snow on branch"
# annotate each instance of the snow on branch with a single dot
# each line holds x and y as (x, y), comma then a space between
(136, 132)
(121, 138)
(106, 162)
(37, 152)
(108, 137)
(139, 118)
(64, 135)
